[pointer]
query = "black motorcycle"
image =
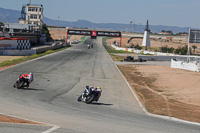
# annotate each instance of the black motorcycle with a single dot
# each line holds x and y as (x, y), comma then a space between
(92, 96)
(20, 83)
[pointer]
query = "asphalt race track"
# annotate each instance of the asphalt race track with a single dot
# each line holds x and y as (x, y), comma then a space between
(52, 97)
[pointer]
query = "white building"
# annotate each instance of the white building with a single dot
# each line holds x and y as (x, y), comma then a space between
(146, 39)
(32, 14)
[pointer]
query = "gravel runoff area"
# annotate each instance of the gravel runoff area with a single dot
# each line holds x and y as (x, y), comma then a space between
(165, 91)
(4, 58)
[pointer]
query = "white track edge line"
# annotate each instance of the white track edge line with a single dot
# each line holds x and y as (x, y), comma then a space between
(51, 129)
(143, 108)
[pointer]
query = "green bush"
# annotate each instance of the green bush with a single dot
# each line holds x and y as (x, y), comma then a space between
(182, 50)
(165, 49)
(138, 47)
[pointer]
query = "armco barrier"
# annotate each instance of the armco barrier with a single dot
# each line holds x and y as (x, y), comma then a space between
(168, 58)
(43, 49)
(156, 58)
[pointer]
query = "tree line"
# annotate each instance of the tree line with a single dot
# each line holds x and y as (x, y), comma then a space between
(180, 50)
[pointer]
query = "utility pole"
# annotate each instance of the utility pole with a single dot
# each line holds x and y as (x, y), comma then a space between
(130, 26)
(58, 21)
(58, 27)
(188, 48)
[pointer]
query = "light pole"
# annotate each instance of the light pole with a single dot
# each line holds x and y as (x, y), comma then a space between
(58, 21)
(58, 28)
(130, 26)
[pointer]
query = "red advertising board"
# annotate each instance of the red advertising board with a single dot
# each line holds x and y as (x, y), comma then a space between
(94, 33)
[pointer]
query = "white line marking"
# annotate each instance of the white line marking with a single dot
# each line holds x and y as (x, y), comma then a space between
(51, 129)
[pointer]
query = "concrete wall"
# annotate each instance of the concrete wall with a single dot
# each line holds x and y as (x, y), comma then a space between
(15, 44)
(17, 52)
(8, 44)
(24, 52)
(192, 66)
(43, 49)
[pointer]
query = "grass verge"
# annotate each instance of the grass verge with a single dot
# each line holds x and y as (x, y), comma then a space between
(83, 39)
(23, 59)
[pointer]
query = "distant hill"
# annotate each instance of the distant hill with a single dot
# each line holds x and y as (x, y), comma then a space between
(12, 16)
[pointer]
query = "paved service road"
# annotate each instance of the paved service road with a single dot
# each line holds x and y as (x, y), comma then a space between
(60, 78)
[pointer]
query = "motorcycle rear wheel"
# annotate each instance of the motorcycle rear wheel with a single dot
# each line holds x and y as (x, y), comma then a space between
(89, 99)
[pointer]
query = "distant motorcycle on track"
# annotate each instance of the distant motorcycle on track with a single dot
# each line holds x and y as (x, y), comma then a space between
(88, 46)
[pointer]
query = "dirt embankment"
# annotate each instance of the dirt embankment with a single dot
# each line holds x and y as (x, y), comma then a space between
(4, 58)
(166, 91)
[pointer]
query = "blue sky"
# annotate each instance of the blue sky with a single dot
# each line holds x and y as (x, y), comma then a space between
(183, 13)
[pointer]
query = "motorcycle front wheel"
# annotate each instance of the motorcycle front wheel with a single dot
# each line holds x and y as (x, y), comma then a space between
(20, 84)
(79, 98)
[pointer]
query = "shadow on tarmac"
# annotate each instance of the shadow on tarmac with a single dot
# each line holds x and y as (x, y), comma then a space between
(101, 104)
(32, 89)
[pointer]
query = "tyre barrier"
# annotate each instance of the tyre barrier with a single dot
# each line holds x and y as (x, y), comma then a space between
(23, 44)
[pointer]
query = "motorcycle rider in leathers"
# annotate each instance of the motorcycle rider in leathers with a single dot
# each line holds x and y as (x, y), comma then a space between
(28, 78)
(86, 92)
(89, 89)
